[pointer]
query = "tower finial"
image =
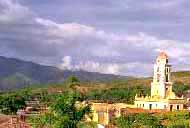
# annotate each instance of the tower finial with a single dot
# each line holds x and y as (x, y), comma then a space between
(162, 55)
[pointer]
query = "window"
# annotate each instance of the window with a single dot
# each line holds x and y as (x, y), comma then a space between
(171, 107)
(158, 77)
(177, 107)
(150, 106)
(167, 78)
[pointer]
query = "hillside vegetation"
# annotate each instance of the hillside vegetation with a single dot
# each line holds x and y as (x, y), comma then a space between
(122, 90)
(15, 73)
(178, 78)
(181, 77)
(176, 119)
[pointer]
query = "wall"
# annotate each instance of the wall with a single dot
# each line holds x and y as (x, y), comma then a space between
(174, 107)
(155, 105)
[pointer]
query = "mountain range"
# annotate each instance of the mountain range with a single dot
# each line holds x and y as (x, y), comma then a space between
(15, 73)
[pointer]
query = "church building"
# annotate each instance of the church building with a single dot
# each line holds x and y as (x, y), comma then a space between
(162, 97)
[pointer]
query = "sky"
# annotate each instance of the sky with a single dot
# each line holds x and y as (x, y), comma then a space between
(121, 37)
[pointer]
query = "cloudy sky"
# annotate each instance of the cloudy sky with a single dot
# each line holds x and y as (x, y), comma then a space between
(108, 36)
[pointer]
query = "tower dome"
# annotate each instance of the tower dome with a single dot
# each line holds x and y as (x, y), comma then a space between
(163, 55)
(162, 58)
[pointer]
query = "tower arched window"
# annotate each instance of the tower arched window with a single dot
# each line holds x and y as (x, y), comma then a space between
(167, 79)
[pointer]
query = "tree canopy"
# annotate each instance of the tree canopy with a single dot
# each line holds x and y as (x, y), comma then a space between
(63, 113)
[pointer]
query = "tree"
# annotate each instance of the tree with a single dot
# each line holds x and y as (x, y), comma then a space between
(71, 81)
(64, 112)
(125, 122)
(142, 120)
(11, 102)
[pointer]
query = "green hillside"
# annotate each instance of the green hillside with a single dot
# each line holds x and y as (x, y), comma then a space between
(181, 78)
(181, 85)
(15, 73)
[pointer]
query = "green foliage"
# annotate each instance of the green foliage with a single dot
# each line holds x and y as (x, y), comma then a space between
(141, 120)
(181, 74)
(48, 98)
(71, 81)
(147, 120)
(125, 122)
(42, 121)
(10, 104)
(179, 88)
(87, 125)
(12, 101)
(177, 119)
(64, 112)
(117, 94)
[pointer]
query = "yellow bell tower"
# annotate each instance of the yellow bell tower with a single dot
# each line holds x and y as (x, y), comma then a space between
(161, 87)
(162, 96)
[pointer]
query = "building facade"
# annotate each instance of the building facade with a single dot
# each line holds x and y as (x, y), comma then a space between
(103, 113)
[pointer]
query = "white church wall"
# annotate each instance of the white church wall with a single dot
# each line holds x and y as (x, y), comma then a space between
(151, 105)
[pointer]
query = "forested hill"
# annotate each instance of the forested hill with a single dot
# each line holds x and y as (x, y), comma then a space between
(180, 78)
(15, 73)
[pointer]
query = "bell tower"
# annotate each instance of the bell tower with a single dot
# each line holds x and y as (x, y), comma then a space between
(161, 87)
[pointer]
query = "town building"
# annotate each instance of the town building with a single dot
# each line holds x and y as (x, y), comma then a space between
(162, 97)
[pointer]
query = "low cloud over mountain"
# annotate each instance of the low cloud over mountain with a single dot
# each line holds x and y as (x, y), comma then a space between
(16, 73)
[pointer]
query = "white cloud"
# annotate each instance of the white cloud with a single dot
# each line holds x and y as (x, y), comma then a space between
(66, 29)
(132, 69)
(90, 66)
(107, 68)
(12, 11)
(95, 50)
(103, 44)
(66, 63)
